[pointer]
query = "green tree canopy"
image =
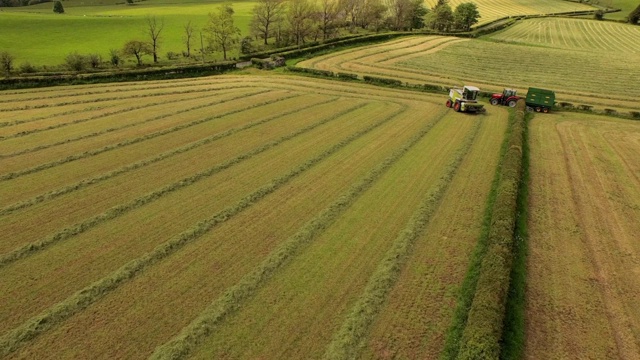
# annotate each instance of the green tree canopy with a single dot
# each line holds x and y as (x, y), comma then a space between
(58, 8)
(466, 15)
(222, 34)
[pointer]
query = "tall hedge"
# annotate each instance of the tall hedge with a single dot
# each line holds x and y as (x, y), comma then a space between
(482, 334)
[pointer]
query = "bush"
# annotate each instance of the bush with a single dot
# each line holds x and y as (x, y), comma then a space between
(635, 114)
(6, 62)
(610, 111)
(565, 105)
(172, 55)
(382, 81)
(114, 57)
(58, 8)
(75, 61)
(598, 15)
(27, 68)
(94, 60)
(317, 72)
(347, 76)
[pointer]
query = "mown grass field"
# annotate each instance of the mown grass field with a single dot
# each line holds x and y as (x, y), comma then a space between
(36, 35)
(583, 61)
(495, 9)
(236, 216)
(584, 255)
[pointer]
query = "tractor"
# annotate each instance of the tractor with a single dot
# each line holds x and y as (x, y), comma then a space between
(508, 97)
(465, 99)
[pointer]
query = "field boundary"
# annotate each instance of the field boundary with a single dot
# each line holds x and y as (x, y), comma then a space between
(484, 328)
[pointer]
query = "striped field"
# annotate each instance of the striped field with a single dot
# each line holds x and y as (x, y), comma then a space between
(584, 63)
(236, 217)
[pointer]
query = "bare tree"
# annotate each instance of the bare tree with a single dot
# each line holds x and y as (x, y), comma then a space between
(329, 16)
(6, 62)
(265, 14)
(154, 28)
(300, 16)
(188, 35)
(220, 30)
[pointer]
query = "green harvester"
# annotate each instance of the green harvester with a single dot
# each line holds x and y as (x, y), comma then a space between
(465, 100)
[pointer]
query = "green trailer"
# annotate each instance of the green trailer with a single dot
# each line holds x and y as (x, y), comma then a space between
(540, 100)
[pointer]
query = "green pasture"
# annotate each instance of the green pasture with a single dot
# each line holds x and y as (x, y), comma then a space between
(36, 35)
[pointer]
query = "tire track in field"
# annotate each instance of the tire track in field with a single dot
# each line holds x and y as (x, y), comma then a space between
(53, 316)
(231, 300)
(108, 130)
(117, 211)
(106, 114)
(347, 342)
(86, 154)
(166, 155)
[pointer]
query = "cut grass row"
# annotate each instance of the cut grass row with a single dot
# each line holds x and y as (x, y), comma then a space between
(116, 121)
(349, 340)
(181, 182)
(300, 248)
(228, 109)
(83, 298)
(420, 307)
(231, 251)
(274, 115)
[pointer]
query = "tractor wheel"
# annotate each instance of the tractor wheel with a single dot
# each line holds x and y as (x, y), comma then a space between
(545, 110)
(448, 103)
(494, 102)
(512, 103)
(456, 106)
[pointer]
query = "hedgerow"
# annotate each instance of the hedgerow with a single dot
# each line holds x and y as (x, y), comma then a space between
(483, 332)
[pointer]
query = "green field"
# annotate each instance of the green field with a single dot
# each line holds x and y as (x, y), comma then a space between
(133, 215)
(583, 61)
(35, 34)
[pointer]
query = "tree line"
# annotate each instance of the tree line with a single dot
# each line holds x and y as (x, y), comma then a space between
(278, 23)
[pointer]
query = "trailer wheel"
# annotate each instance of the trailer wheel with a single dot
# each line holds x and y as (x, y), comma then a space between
(512, 103)
(494, 102)
(456, 106)
(448, 103)
(545, 110)
(538, 109)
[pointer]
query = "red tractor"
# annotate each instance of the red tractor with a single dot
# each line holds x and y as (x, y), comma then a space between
(508, 97)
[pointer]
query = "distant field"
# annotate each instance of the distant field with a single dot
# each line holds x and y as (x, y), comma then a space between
(494, 9)
(583, 281)
(588, 65)
(133, 215)
(88, 28)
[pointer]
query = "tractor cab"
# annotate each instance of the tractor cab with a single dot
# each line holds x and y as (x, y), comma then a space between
(470, 93)
(506, 93)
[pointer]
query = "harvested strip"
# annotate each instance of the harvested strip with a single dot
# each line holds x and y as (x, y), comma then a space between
(233, 298)
(137, 165)
(348, 342)
(79, 301)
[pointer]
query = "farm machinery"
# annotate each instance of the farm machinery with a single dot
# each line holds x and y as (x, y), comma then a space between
(539, 100)
(465, 100)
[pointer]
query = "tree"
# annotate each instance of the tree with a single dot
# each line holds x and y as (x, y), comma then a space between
(58, 8)
(329, 16)
(6, 62)
(137, 48)
(153, 30)
(373, 15)
(418, 12)
(75, 61)
(441, 18)
(114, 57)
(246, 45)
(634, 16)
(265, 14)
(465, 16)
(400, 14)
(300, 16)
(188, 35)
(220, 30)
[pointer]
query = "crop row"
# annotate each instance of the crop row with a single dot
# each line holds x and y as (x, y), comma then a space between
(94, 152)
(166, 155)
(105, 114)
(483, 331)
(117, 211)
(232, 298)
(348, 341)
(92, 293)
